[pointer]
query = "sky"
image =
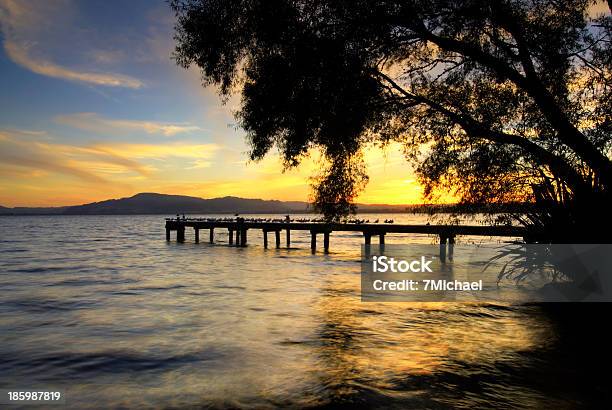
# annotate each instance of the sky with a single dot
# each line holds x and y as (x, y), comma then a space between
(93, 107)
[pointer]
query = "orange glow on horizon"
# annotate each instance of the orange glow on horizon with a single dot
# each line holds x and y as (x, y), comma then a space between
(41, 172)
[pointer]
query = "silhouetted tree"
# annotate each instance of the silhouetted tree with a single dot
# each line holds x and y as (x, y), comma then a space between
(492, 100)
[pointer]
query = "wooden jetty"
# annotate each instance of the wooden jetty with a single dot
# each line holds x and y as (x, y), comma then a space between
(240, 227)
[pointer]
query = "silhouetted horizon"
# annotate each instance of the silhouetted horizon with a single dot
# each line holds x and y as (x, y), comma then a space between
(158, 203)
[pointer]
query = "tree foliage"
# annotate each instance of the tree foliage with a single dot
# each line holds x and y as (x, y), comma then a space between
(492, 100)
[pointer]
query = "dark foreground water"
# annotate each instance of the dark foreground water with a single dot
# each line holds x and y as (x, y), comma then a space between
(108, 311)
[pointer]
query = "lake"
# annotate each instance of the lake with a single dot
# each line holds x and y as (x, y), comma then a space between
(104, 309)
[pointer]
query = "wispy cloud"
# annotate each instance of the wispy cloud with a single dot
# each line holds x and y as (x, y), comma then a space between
(200, 164)
(94, 163)
(93, 122)
(22, 27)
(160, 151)
(17, 155)
(20, 53)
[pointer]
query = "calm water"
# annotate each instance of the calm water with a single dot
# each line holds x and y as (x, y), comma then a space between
(105, 309)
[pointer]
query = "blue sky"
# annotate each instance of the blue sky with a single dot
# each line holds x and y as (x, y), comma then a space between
(128, 42)
(93, 107)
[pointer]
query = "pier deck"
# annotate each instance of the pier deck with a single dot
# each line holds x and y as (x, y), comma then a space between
(240, 227)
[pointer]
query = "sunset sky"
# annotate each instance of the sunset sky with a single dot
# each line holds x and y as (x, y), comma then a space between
(93, 107)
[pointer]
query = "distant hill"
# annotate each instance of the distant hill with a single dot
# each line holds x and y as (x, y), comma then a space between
(32, 211)
(151, 203)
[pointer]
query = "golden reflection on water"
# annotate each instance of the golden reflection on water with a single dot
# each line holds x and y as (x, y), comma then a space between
(385, 343)
(302, 345)
(156, 324)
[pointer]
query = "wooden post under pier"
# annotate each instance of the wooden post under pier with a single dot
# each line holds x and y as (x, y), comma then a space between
(288, 238)
(212, 235)
(443, 239)
(230, 235)
(265, 237)
(168, 234)
(243, 234)
(180, 233)
(368, 238)
(313, 241)
(277, 237)
(240, 234)
(326, 242)
(196, 235)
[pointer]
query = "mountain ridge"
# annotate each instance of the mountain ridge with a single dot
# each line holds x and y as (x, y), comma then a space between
(155, 203)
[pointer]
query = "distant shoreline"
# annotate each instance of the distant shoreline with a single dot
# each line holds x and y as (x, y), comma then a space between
(295, 212)
(171, 214)
(162, 204)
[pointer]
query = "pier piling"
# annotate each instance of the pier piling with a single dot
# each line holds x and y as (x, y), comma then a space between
(277, 237)
(443, 239)
(451, 247)
(196, 235)
(313, 241)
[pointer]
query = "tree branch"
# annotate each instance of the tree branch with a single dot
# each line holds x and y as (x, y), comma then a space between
(567, 132)
(479, 130)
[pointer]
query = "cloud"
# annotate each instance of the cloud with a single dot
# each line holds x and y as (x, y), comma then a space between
(17, 156)
(24, 27)
(94, 163)
(200, 164)
(19, 53)
(93, 122)
(159, 151)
